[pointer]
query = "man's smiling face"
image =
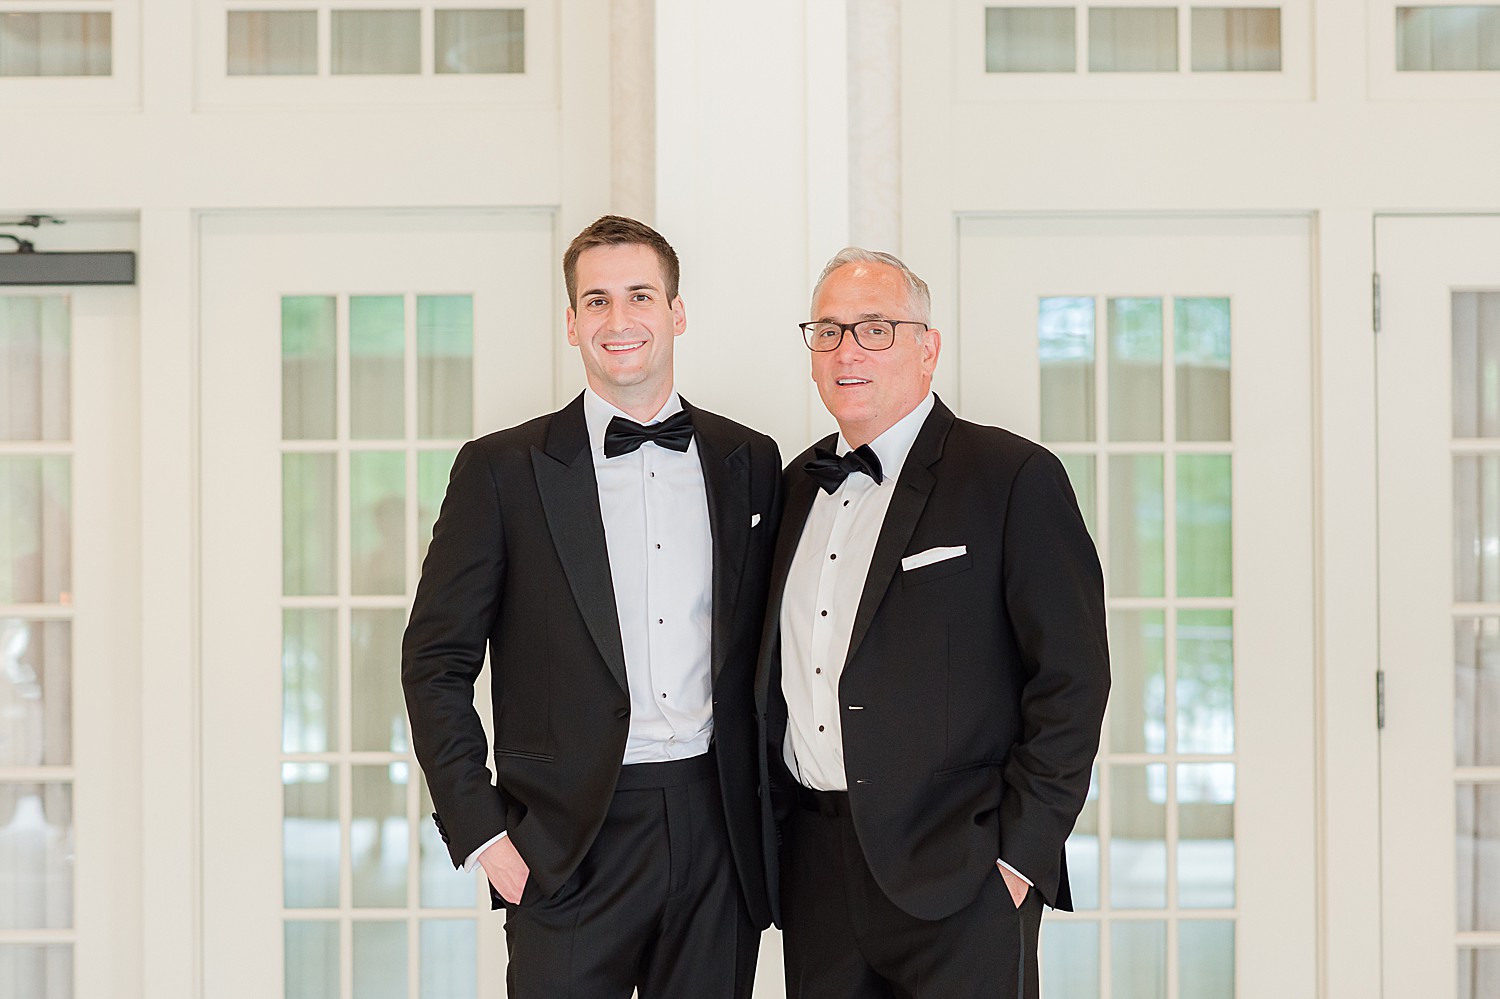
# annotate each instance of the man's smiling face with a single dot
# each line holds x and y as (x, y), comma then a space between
(868, 391)
(623, 324)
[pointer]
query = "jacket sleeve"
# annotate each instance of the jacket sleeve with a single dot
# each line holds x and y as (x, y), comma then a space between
(1054, 593)
(443, 652)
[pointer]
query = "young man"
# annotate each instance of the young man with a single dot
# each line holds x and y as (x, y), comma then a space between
(933, 674)
(612, 557)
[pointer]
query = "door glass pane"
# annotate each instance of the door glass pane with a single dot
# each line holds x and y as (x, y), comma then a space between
(312, 959)
(1205, 957)
(1205, 566)
(378, 718)
(1205, 681)
(1476, 528)
(36, 856)
(1083, 850)
(1138, 959)
(1236, 39)
(309, 686)
(35, 367)
(1476, 363)
(1476, 693)
(443, 885)
(1080, 469)
(1478, 972)
(272, 43)
(445, 365)
(309, 531)
(450, 949)
(379, 845)
(36, 693)
(36, 531)
(1132, 39)
(55, 44)
(379, 960)
(377, 356)
(38, 971)
(1205, 848)
(1135, 345)
(1065, 334)
(310, 838)
(377, 41)
(1478, 857)
(479, 41)
(1029, 40)
(377, 522)
(308, 371)
(1201, 334)
(1448, 38)
(432, 484)
(1138, 663)
(1136, 529)
(1137, 839)
(1070, 959)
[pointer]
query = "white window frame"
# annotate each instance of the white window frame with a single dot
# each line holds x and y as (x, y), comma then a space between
(536, 87)
(1388, 84)
(120, 90)
(1293, 82)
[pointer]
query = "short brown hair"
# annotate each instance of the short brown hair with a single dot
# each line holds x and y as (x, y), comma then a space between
(616, 230)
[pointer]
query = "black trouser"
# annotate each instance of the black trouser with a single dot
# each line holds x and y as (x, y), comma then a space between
(844, 939)
(655, 905)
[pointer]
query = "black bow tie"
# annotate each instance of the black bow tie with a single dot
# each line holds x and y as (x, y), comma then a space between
(623, 436)
(830, 471)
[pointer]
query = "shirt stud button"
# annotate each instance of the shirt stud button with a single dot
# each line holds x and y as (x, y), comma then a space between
(818, 670)
(820, 728)
(823, 613)
(832, 556)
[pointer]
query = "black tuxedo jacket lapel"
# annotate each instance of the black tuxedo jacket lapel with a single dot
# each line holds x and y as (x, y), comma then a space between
(726, 480)
(570, 497)
(901, 517)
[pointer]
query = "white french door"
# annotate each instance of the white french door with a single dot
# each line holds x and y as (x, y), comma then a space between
(345, 358)
(1438, 369)
(1168, 362)
(70, 845)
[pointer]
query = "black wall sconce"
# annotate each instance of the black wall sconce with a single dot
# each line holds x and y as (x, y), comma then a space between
(28, 265)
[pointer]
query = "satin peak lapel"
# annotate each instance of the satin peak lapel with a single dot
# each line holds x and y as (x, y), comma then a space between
(570, 497)
(912, 490)
(726, 478)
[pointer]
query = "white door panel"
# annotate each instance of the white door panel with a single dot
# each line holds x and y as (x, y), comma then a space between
(1438, 359)
(345, 358)
(1168, 362)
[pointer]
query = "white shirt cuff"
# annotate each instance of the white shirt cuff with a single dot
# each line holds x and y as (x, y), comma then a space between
(473, 860)
(998, 861)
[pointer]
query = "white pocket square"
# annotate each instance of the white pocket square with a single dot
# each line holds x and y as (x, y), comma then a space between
(932, 555)
(754, 519)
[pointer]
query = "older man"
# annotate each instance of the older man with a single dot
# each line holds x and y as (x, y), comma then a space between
(933, 673)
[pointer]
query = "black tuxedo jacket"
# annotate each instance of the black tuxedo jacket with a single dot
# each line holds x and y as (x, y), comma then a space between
(977, 683)
(518, 563)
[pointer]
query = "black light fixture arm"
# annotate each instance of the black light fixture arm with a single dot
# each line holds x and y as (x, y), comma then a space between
(22, 245)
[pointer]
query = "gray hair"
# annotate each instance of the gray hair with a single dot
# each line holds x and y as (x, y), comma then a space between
(917, 294)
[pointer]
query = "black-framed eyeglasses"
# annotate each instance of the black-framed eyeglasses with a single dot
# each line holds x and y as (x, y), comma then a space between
(871, 334)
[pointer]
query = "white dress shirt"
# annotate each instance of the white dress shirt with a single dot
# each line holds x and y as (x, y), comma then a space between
(655, 508)
(823, 587)
(823, 590)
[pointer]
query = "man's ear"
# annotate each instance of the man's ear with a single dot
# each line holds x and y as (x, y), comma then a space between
(679, 317)
(570, 316)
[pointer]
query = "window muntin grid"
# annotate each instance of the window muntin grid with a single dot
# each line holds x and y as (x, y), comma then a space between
(372, 417)
(1475, 458)
(36, 668)
(1136, 400)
